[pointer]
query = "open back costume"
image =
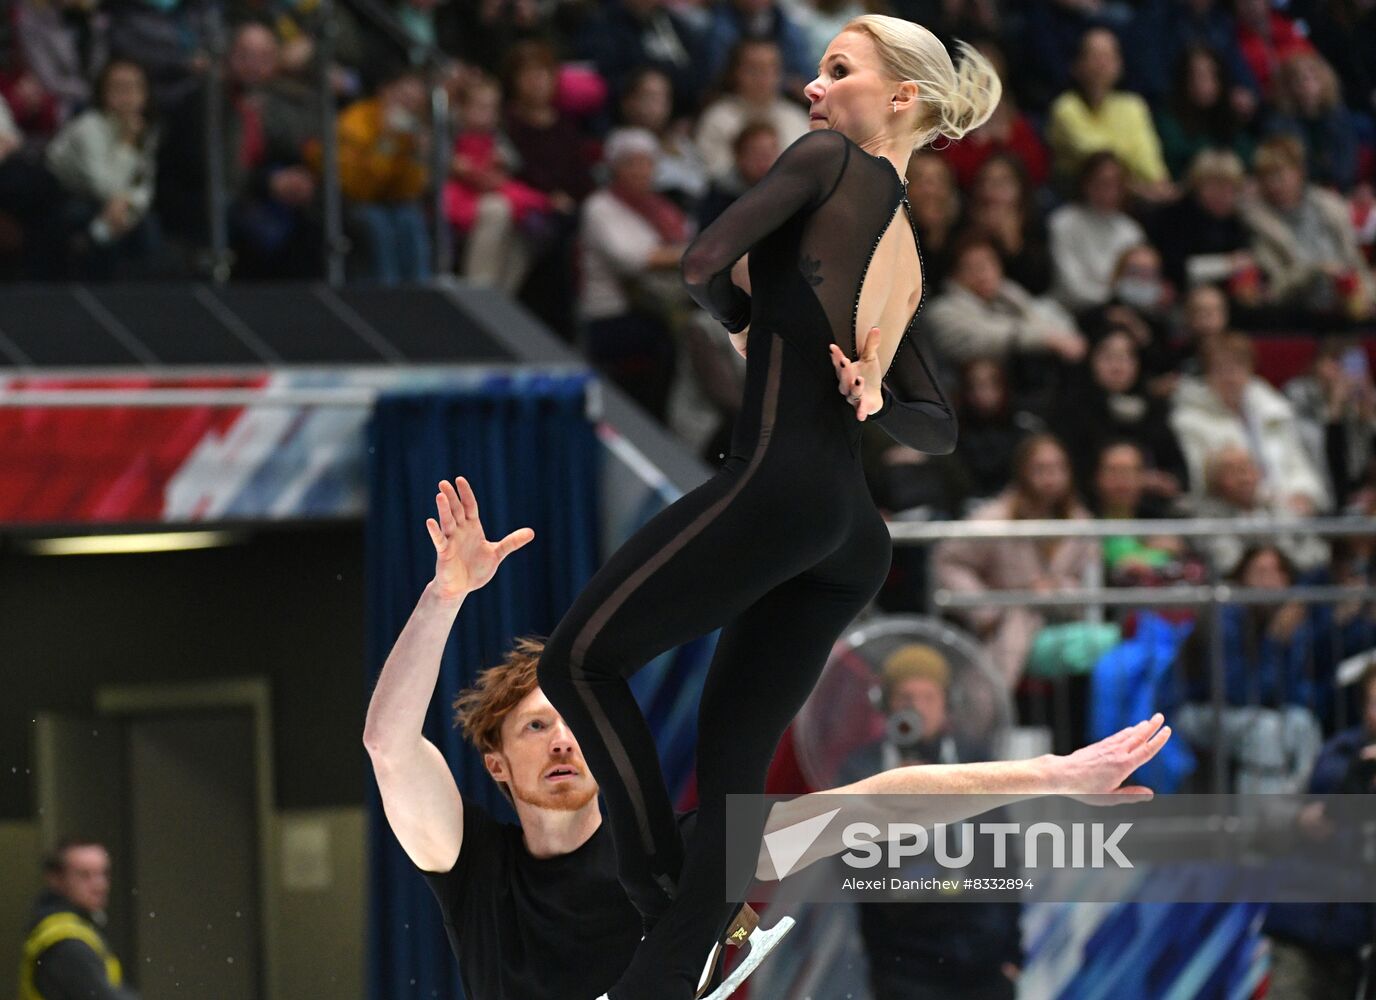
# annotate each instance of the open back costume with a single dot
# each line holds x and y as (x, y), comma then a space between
(780, 549)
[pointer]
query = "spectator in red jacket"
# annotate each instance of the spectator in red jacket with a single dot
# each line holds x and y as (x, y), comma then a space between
(1266, 38)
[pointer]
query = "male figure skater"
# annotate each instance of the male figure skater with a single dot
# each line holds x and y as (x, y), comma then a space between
(534, 911)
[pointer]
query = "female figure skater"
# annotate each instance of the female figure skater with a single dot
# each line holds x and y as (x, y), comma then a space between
(783, 546)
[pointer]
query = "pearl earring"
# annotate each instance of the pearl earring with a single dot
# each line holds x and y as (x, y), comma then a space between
(895, 106)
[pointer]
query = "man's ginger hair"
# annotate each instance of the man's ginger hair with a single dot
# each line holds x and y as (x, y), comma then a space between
(479, 711)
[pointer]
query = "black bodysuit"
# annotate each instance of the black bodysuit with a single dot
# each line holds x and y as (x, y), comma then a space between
(780, 549)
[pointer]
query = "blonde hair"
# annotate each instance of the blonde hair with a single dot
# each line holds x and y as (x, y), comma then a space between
(1217, 459)
(953, 99)
(1216, 164)
(1286, 90)
(914, 660)
(1279, 151)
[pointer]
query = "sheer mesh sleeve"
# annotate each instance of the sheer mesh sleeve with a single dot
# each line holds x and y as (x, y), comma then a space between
(915, 411)
(801, 178)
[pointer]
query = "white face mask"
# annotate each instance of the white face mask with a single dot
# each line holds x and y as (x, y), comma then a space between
(401, 120)
(1127, 409)
(1144, 293)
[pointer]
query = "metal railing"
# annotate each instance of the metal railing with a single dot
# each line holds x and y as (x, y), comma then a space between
(324, 33)
(1198, 527)
(331, 195)
(1208, 600)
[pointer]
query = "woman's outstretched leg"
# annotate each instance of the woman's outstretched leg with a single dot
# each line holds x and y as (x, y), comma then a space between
(693, 568)
(766, 664)
(596, 701)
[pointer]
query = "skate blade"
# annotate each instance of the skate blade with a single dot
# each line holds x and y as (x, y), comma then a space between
(737, 933)
(758, 945)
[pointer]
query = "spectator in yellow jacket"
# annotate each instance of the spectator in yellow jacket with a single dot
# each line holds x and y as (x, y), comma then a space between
(1093, 116)
(383, 143)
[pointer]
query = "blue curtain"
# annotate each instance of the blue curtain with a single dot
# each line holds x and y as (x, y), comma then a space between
(532, 457)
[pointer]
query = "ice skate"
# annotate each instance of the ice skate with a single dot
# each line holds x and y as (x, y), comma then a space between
(758, 943)
(742, 925)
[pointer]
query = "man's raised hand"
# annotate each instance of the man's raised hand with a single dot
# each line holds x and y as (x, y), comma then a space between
(464, 559)
(1095, 774)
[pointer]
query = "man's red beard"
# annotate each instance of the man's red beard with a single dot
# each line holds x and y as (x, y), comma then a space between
(558, 797)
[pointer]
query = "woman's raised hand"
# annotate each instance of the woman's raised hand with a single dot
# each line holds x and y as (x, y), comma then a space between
(464, 559)
(860, 381)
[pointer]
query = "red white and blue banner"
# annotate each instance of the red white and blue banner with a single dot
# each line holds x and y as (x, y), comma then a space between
(264, 446)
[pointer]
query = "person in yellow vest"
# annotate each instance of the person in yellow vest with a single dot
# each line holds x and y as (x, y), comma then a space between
(65, 955)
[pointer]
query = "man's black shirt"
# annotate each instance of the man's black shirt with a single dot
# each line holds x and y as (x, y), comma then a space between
(527, 928)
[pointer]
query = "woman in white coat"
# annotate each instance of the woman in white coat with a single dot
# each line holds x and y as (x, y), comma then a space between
(1230, 405)
(104, 158)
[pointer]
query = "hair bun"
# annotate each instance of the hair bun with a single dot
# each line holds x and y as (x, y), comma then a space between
(974, 97)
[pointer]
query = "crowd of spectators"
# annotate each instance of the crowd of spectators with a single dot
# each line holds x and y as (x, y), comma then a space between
(1236, 139)
(1167, 188)
(1238, 142)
